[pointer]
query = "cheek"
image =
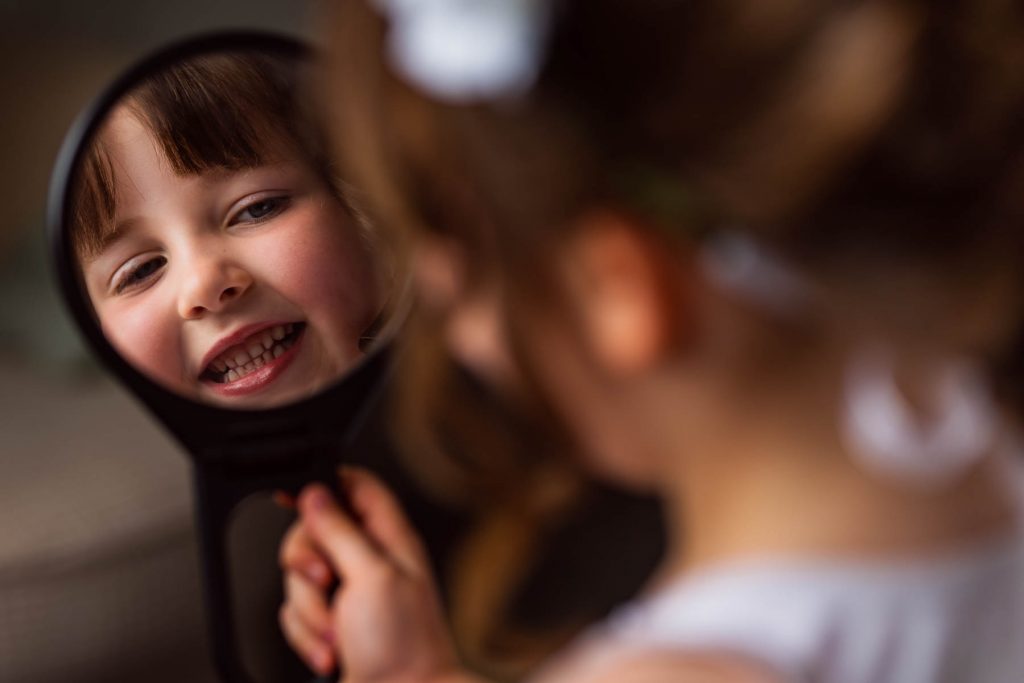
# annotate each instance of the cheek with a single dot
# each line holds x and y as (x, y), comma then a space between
(145, 340)
(322, 267)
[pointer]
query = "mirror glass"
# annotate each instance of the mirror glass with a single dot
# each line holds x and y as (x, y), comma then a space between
(220, 253)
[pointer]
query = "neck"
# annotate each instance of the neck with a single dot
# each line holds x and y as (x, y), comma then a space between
(783, 486)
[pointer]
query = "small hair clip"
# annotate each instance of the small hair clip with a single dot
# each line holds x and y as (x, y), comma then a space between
(463, 51)
(738, 264)
(883, 435)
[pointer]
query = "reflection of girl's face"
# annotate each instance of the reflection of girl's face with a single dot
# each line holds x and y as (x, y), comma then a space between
(248, 288)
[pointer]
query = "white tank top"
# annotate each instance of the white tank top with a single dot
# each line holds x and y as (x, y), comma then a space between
(952, 619)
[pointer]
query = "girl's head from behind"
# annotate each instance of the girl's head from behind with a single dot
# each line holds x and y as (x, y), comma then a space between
(220, 255)
(667, 216)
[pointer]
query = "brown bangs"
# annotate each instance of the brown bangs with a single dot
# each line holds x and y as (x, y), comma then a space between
(93, 202)
(219, 111)
(230, 111)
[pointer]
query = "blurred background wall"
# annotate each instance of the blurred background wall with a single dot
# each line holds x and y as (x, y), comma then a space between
(98, 574)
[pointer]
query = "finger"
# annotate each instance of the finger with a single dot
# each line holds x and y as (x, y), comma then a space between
(317, 654)
(383, 519)
(298, 554)
(309, 603)
(334, 534)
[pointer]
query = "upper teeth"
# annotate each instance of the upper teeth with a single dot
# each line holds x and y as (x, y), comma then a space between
(239, 360)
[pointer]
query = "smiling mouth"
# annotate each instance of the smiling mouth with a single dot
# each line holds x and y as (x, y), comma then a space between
(254, 353)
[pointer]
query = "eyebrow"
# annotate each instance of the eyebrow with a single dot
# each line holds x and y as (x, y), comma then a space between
(212, 176)
(120, 230)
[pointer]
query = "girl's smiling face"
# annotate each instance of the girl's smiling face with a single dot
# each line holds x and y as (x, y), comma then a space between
(247, 287)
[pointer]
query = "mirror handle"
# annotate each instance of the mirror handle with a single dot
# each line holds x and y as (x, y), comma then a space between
(216, 497)
(220, 487)
(215, 500)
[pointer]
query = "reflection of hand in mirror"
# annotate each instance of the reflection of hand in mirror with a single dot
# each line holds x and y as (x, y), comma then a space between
(219, 254)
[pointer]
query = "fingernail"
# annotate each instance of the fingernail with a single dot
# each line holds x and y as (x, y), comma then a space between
(284, 500)
(318, 499)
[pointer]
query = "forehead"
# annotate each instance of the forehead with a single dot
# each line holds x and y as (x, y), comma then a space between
(213, 114)
(134, 154)
(142, 177)
(129, 141)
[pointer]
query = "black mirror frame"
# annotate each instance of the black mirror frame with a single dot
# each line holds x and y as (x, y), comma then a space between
(235, 453)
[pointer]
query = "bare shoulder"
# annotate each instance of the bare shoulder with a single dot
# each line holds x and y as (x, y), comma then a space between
(671, 667)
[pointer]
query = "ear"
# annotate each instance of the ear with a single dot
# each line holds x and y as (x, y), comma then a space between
(629, 290)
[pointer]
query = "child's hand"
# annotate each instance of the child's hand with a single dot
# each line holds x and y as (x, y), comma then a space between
(384, 622)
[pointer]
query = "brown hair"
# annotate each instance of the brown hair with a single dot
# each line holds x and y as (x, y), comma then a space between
(854, 137)
(227, 110)
(849, 135)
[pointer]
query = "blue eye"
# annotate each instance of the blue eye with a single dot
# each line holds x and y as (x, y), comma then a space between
(137, 275)
(260, 210)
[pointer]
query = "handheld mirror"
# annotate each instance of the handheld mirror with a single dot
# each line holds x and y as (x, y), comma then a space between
(212, 259)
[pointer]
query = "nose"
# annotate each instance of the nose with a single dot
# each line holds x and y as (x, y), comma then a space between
(210, 285)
